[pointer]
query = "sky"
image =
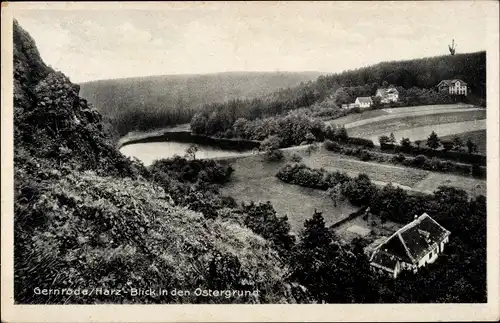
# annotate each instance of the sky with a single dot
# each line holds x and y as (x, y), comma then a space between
(92, 43)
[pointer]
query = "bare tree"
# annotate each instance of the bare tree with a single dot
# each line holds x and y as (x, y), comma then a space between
(452, 47)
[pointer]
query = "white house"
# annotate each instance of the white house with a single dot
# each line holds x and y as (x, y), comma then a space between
(413, 246)
(453, 87)
(349, 106)
(388, 95)
(364, 102)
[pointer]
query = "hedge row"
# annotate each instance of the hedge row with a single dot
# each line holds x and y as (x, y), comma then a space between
(458, 156)
(420, 161)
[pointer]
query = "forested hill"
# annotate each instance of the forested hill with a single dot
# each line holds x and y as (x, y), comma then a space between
(415, 79)
(157, 101)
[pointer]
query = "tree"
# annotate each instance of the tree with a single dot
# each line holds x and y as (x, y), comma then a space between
(457, 143)
(452, 48)
(471, 146)
(191, 152)
(312, 148)
(406, 144)
(335, 193)
(262, 219)
(433, 141)
(310, 137)
(418, 143)
(392, 139)
(359, 190)
(342, 135)
(271, 146)
(383, 140)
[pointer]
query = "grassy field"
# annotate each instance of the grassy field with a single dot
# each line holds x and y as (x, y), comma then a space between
(408, 122)
(372, 116)
(478, 137)
(255, 180)
(377, 172)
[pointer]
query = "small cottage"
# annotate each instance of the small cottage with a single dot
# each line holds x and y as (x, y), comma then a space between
(413, 246)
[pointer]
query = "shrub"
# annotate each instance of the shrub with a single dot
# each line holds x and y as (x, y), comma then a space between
(296, 158)
(332, 146)
(361, 142)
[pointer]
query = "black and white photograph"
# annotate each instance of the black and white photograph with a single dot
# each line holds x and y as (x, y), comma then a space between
(230, 153)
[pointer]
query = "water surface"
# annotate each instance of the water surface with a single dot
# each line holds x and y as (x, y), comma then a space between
(151, 151)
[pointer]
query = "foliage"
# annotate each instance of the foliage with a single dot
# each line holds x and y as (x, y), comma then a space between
(262, 219)
(433, 141)
(471, 146)
(191, 152)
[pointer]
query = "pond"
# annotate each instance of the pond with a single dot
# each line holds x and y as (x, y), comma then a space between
(150, 151)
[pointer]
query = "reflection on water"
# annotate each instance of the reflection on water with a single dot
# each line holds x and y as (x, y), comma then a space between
(151, 151)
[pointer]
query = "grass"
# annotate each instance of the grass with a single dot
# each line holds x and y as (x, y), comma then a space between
(377, 172)
(471, 185)
(371, 116)
(408, 122)
(254, 180)
(357, 116)
(478, 137)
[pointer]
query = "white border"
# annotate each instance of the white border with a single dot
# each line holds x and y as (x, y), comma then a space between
(244, 313)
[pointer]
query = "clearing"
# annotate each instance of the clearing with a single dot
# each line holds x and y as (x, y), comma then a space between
(254, 180)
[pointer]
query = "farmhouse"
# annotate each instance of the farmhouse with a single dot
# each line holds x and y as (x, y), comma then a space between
(388, 95)
(454, 87)
(364, 101)
(413, 246)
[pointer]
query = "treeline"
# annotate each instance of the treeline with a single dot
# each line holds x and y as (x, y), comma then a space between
(419, 161)
(414, 79)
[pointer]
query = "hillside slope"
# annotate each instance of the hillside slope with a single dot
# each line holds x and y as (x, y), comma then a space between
(172, 99)
(86, 217)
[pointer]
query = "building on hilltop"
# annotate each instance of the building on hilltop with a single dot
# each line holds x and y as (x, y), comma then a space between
(388, 95)
(364, 101)
(453, 87)
(413, 246)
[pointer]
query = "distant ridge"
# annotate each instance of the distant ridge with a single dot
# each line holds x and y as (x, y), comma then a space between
(150, 98)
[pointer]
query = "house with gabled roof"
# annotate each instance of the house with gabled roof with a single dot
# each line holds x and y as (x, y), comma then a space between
(453, 87)
(387, 95)
(413, 246)
(364, 101)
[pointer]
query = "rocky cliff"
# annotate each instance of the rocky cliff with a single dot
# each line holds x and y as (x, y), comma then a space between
(89, 219)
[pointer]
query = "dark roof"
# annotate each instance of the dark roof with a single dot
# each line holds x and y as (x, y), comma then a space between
(450, 82)
(364, 99)
(384, 259)
(388, 91)
(414, 240)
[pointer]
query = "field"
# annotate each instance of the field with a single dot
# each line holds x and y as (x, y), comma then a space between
(254, 180)
(477, 137)
(418, 122)
(372, 116)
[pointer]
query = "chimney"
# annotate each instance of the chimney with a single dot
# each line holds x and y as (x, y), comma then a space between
(415, 217)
